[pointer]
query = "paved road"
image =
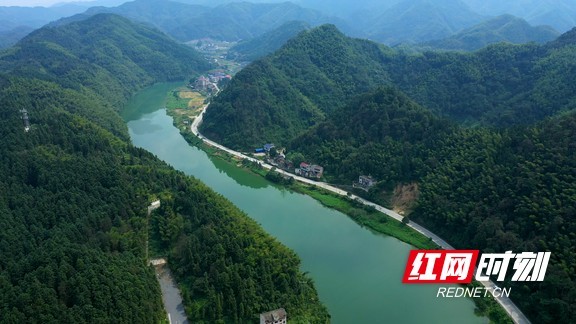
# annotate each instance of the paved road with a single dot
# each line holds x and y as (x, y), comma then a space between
(512, 310)
(171, 296)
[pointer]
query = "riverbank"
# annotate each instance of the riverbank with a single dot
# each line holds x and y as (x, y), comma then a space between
(356, 283)
(341, 200)
(365, 215)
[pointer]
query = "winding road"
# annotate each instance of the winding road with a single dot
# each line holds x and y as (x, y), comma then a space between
(513, 311)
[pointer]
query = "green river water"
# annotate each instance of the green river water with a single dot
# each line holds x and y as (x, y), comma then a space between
(357, 272)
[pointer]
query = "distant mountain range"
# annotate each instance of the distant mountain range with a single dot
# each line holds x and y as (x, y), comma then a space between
(268, 42)
(414, 21)
(390, 22)
(560, 14)
(16, 22)
(12, 17)
(230, 22)
(505, 28)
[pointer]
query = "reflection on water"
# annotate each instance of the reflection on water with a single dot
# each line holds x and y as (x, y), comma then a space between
(242, 177)
(357, 272)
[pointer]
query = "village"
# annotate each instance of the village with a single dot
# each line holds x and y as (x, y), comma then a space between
(277, 158)
(209, 84)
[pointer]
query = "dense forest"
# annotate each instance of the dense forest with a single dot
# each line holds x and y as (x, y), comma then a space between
(321, 70)
(105, 55)
(504, 28)
(487, 137)
(75, 192)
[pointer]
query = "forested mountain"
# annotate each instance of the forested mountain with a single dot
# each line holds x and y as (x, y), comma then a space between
(252, 49)
(347, 8)
(75, 192)
(281, 95)
(416, 21)
(17, 22)
(167, 16)
(231, 22)
(106, 54)
(505, 28)
(34, 17)
(374, 134)
(509, 186)
(560, 14)
(493, 190)
(12, 36)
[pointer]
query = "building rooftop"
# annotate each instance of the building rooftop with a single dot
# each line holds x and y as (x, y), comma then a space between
(273, 316)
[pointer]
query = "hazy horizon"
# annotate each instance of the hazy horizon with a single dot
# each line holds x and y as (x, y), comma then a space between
(37, 3)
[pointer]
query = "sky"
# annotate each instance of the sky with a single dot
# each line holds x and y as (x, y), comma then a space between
(32, 3)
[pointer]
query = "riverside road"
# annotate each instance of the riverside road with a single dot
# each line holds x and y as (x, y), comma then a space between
(513, 311)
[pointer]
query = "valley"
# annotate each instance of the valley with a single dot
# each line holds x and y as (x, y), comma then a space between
(299, 152)
(325, 239)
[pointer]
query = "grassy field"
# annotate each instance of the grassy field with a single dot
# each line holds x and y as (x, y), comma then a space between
(183, 105)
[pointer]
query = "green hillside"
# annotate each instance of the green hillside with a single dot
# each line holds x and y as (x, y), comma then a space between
(105, 54)
(279, 96)
(374, 134)
(321, 69)
(507, 183)
(75, 192)
(479, 188)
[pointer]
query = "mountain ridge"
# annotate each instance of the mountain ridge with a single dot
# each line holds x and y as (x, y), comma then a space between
(124, 61)
(500, 85)
(504, 28)
(235, 21)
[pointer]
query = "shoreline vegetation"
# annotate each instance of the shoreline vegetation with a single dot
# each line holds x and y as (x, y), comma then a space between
(218, 301)
(365, 216)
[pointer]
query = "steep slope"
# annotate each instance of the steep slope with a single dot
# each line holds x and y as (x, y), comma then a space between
(266, 43)
(416, 21)
(373, 134)
(106, 53)
(505, 28)
(281, 95)
(478, 188)
(75, 191)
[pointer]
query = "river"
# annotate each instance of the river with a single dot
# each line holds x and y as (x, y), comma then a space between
(357, 272)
